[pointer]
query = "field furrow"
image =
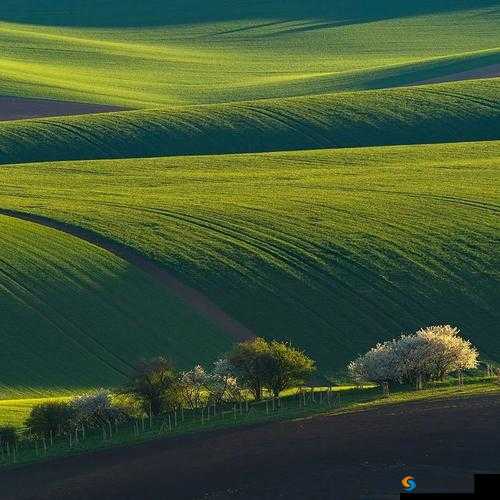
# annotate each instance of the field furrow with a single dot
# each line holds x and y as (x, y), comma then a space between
(76, 316)
(454, 112)
(332, 249)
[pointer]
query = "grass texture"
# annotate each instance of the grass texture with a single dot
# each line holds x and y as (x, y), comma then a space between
(459, 111)
(15, 411)
(157, 54)
(333, 250)
(74, 315)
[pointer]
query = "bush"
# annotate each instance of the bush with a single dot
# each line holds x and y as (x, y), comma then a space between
(8, 436)
(380, 364)
(444, 351)
(431, 353)
(193, 386)
(156, 384)
(217, 386)
(287, 367)
(222, 384)
(260, 364)
(129, 406)
(249, 360)
(50, 418)
(95, 410)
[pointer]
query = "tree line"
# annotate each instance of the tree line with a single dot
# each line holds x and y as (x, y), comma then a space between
(253, 369)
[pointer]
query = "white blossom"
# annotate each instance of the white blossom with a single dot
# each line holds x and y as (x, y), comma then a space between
(200, 386)
(95, 409)
(430, 353)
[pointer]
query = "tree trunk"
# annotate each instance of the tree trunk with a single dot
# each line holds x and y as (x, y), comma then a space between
(155, 406)
(257, 392)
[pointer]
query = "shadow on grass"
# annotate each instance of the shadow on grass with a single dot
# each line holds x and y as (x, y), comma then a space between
(123, 13)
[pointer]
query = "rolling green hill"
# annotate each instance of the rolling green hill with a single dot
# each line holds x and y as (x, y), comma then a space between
(287, 159)
(75, 316)
(459, 111)
(333, 249)
(156, 53)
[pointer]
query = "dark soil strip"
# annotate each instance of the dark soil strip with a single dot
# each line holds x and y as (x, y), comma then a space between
(19, 108)
(351, 456)
(198, 301)
(491, 71)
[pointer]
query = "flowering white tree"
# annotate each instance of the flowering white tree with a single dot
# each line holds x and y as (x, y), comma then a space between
(95, 409)
(413, 355)
(193, 386)
(447, 352)
(216, 386)
(379, 364)
(221, 382)
(430, 353)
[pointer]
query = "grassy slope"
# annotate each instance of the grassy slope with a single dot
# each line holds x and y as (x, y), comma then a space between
(75, 316)
(332, 249)
(154, 54)
(459, 111)
(301, 245)
(14, 411)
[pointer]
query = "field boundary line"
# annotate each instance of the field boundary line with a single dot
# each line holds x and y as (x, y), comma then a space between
(194, 298)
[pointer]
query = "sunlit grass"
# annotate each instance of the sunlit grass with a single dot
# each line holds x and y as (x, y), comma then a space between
(459, 111)
(333, 250)
(15, 411)
(232, 51)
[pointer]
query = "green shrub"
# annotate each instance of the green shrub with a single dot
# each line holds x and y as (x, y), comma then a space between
(54, 417)
(259, 364)
(155, 383)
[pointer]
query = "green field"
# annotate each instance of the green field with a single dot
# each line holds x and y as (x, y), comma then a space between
(198, 52)
(74, 316)
(460, 111)
(287, 159)
(15, 411)
(301, 245)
